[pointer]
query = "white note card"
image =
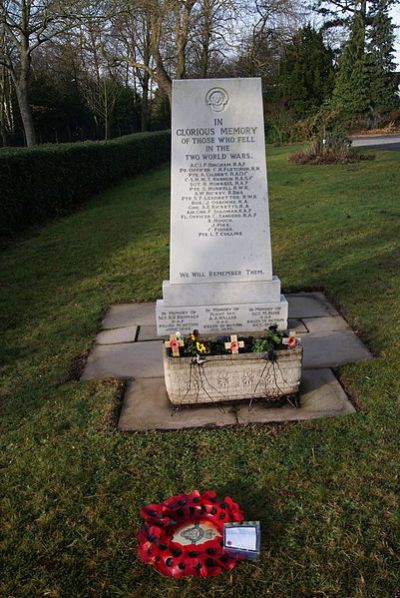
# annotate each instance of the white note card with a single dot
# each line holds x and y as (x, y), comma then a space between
(244, 538)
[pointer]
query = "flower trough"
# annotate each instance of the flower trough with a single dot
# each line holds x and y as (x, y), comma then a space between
(231, 369)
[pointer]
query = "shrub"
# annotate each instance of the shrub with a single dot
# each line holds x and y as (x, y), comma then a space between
(39, 183)
(279, 125)
(377, 124)
(327, 132)
(333, 148)
(324, 122)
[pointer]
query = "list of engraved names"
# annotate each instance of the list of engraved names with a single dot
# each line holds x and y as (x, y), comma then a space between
(217, 174)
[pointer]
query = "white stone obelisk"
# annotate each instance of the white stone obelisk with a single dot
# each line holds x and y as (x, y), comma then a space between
(220, 252)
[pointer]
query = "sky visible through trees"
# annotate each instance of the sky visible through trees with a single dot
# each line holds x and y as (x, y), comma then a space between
(72, 70)
(395, 14)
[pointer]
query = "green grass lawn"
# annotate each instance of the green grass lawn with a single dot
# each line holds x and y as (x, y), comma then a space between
(325, 491)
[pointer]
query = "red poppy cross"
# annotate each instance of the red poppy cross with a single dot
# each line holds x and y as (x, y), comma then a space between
(234, 345)
(174, 343)
(292, 340)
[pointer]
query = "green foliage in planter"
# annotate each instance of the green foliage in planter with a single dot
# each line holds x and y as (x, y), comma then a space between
(194, 345)
(269, 342)
(39, 183)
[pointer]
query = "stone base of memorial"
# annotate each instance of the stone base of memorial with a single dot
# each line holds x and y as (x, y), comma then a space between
(216, 308)
(229, 378)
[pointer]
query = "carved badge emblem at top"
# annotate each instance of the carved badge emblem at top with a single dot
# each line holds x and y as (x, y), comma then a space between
(217, 98)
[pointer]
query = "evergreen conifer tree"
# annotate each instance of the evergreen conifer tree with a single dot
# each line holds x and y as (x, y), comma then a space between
(380, 60)
(306, 72)
(351, 91)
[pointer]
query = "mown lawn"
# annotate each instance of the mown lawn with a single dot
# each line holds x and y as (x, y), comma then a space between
(325, 491)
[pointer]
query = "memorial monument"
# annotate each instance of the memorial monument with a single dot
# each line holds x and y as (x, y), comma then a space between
(221, 277)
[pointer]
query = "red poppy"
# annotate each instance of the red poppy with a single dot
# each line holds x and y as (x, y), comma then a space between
(183, 535)
(292, 342)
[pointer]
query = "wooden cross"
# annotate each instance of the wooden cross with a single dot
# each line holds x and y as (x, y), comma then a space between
(234, 345)
(174, 343)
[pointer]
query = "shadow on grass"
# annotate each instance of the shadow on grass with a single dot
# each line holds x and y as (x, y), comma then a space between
(349, 274)
(258, 506)
(55, 286)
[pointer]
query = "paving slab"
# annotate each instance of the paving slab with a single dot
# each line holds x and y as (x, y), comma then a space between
(309, 305)
(320, 396)
(332, 349)
(128, 347)
(297, 325)
(130, 314)
(326, 324)
(114, 336)
(147, 333)
(127, 360)
(147, 407)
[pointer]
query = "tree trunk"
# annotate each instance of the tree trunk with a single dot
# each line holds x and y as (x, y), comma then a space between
(106, 119)
(3, 101)
(161, 76)
(205, 38)
(3, 134)
(182, 17)
(144, 116)
(204, 58)
(146, 77)
(21, 88)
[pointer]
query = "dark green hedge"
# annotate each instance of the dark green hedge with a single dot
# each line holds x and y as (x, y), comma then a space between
(39, 183)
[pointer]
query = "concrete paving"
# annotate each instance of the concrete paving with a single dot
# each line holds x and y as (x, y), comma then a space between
(147, 333)
(128, 360)
(146, 406)
(114, 336)
(327, 324)
(297, 325)
(130, 314)
(332, 349)
(144, 359)
(128, 348)
(309, 305)
(320, 396)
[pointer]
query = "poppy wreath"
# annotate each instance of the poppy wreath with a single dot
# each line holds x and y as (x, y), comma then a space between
(161, 521)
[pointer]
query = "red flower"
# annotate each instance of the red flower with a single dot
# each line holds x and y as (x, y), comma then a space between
(189, 518)
(292, 342)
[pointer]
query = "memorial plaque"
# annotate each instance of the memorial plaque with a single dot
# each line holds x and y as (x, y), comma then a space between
(220, 252)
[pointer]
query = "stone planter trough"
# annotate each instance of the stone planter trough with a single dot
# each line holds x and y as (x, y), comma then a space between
(229, 378)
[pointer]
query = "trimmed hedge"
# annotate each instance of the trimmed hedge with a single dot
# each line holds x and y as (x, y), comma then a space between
(39, 183)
